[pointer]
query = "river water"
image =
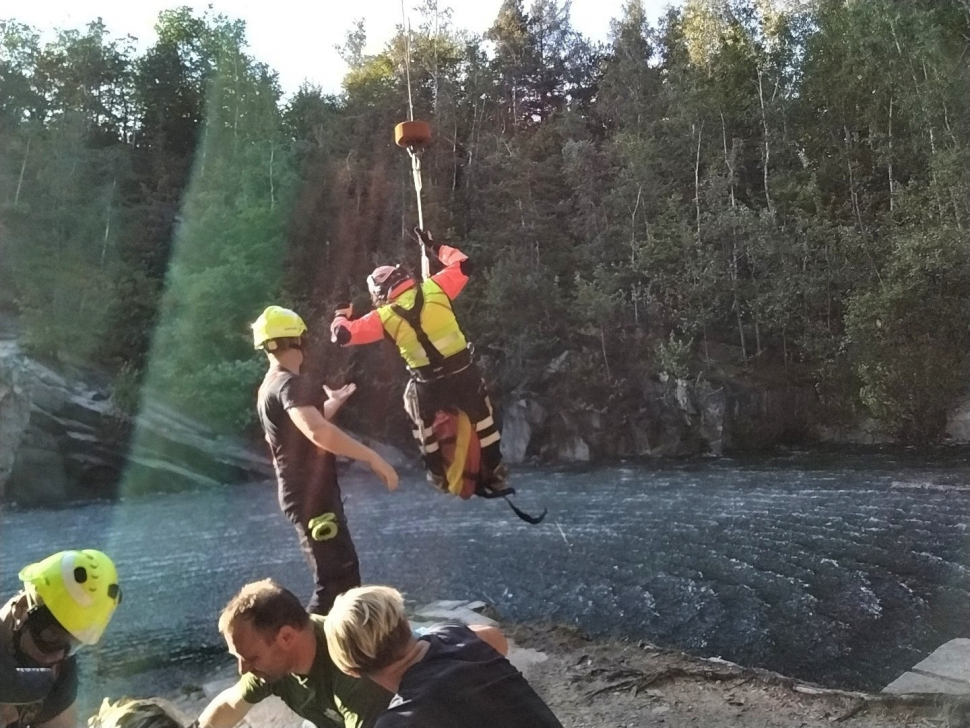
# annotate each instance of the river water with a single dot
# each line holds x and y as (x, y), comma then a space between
(844, 568)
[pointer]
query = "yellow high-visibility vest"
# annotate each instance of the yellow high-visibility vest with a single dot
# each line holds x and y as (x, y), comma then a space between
(437, 322)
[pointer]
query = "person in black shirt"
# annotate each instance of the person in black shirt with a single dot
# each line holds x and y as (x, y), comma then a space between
(455, 675)
(303, 444)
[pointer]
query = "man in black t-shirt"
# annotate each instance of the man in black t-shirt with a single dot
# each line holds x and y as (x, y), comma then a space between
(455, 675)
(303, 443)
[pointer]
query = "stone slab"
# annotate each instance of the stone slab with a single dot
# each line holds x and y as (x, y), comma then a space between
(946, 670)
(911, 682)
(951, 660)
(524, 658)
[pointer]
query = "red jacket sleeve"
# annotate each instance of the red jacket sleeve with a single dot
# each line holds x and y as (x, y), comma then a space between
(452, 280)
(365, 330)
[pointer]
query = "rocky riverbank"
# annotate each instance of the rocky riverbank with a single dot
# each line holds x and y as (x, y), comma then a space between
(62, 438)
(591, 683)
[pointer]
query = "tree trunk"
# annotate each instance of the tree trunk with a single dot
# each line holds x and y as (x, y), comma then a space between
(107, 223)
(235, 121)
(636, 306)
(737, 299)
(272, 188)
(23, 167)
(633, 256)
(697, 178)
(744, 348)
(633, 227)
(606, 361)
(454, 157)
(205, 146)
(892, 186)
(727, 160)
(764, 122)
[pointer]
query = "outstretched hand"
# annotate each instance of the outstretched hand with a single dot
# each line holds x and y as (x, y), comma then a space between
(341, 395)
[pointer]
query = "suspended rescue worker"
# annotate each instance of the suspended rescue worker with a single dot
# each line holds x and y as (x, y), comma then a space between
(419, 319)
(67, 601)
(304, 443)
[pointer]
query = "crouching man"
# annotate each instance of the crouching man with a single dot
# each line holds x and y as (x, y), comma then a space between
(454, 675)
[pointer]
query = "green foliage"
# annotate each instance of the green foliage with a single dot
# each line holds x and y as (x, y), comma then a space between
(674, 356)
(218, 392)
(788, 181)
(910, 333)
(229, 248)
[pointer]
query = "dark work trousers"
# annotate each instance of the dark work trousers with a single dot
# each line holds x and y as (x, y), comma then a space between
(334, 565)
(333, 562)
(465, 391)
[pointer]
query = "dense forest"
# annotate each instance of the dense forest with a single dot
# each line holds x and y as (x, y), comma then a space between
(762, 189)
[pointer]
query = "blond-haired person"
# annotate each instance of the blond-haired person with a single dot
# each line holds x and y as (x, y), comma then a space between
(454, 675)
(130, 713)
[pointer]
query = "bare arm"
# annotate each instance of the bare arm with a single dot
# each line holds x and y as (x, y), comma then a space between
(328, 436)
(330, 408)
(66, 719)
(226, 710)
(492, 637)
(331, 438)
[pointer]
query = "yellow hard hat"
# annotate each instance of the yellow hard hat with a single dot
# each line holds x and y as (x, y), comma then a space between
(79, 588)
(276, 322)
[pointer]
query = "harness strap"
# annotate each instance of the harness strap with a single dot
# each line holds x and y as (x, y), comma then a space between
(412, 316)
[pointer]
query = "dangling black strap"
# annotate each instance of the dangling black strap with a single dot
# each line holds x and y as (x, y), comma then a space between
(483, 492)
(413, 318)
(534, 520)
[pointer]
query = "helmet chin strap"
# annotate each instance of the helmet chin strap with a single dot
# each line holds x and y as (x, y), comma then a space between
(23, 658)
(32, 604)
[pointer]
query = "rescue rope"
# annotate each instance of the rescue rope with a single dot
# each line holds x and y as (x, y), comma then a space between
(412, 150)
(406, 27)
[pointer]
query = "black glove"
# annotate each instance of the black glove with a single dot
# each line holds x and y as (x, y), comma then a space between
(424, 237)
(338, 332)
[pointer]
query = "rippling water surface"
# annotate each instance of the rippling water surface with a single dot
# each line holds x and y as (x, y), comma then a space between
(842, 568)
